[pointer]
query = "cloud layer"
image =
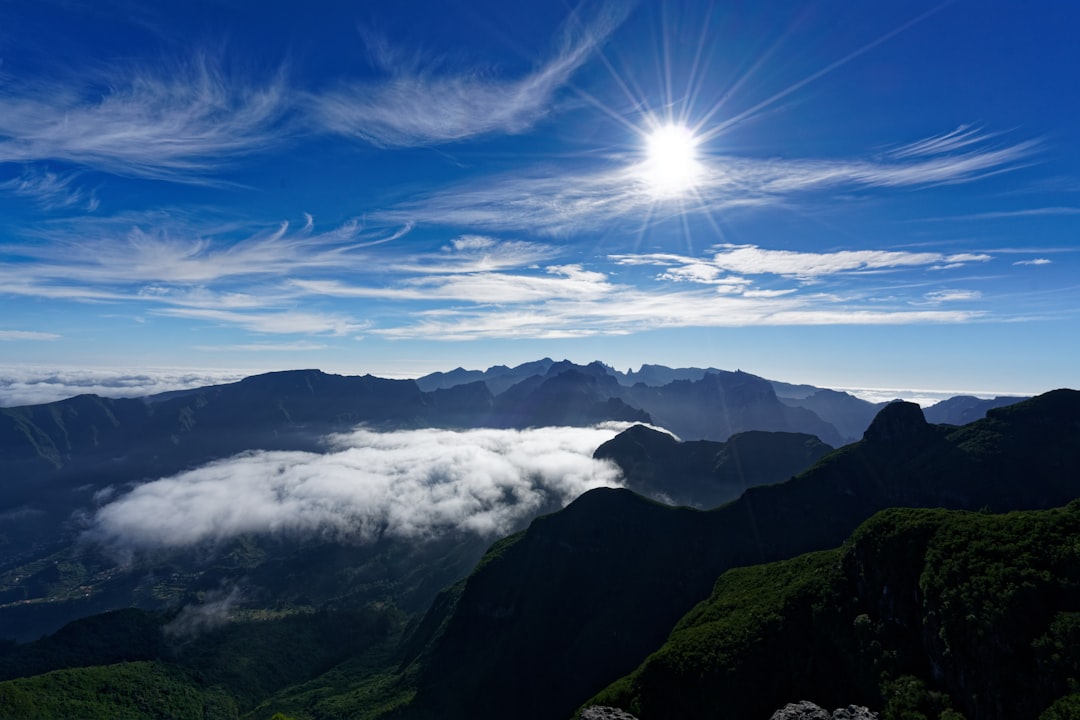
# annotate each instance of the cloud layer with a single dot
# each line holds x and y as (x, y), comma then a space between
(411, 484)
(36, 385)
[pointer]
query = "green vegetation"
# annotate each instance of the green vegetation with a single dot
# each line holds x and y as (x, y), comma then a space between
(195, 672)
(128, 691)
(923, 614)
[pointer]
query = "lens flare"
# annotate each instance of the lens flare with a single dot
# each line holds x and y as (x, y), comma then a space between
(671, 166)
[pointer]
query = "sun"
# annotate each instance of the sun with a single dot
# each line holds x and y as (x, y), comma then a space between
(671, 166)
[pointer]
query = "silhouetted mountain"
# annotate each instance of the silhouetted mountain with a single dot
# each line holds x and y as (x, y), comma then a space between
(791, 391)
(552, 615)
(565, 396)
(703, 473)
(497, 377)
(457, 376)
(963, 409)
(721, 404)
(659, 375)
(848, 414)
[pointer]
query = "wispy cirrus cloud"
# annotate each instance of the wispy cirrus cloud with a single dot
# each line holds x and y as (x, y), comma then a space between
(418, 105)
(177, 121)
(1034, 261)
(559, 200)
(273, 322)
(51, 190)
(1019, 213)
(937, 297)
(963, 137)
(177, 271)
(298, 346)
(478, 287)
(754, 260)
(18, 335)
(628, 310)
(161, 249)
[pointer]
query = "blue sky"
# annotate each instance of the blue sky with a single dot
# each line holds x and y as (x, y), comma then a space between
(849, 194)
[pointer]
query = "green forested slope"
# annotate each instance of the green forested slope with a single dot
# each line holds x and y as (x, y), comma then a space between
(922, 613)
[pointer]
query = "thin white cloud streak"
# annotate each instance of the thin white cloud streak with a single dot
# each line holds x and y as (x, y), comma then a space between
(423, 106)
(299, 346)
(174, 123)
(561, 200)
(166, 253)
(964, 136)
(1035, 261)
(753, 260)
(938, 297)
(288, 322)
(20, 335)
(568, 281)
(36, 385)
(51, 191)
(417, 484)
(188, 274)
(628, 310)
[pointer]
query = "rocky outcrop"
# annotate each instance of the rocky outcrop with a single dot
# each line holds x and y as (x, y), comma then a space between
(600, 712)
(806, 710)
(897, 421)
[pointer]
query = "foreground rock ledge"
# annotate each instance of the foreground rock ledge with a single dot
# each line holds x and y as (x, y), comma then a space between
(806, 710)
(600, 712)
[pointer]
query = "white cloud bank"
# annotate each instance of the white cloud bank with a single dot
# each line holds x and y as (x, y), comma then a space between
(36, 385)
(409, 484)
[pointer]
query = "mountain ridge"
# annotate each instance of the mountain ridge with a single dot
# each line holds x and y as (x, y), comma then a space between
(486, 659)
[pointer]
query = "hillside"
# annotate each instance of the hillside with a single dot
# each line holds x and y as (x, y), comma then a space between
(703, 473)
(554, 614)
(563, 607)
(921, 611)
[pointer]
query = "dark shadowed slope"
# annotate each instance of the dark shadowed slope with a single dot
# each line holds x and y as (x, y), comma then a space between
(703, 473)
(554, 614)
(920, 611)
(963, 409)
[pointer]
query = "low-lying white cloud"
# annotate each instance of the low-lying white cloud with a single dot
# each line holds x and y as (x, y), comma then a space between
(410, 484)
(36, 385)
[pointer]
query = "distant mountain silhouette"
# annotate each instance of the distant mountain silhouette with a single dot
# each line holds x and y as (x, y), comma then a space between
(963, 409)
(703, 473)
(848, 414)
(553, 614)
(55, 458)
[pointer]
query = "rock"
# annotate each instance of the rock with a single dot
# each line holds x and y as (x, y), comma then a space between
(600, 712)
(806, 710)
(803, 710)
(897, 420)
(854, 712)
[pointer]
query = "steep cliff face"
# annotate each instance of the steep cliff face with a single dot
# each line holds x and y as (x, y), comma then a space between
(601, 580)
(922, 613)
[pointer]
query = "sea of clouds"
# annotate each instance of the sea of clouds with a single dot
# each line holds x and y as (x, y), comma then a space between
(33, 386)
(415, 484)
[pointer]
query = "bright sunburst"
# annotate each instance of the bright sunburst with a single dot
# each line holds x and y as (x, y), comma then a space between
(671, 166)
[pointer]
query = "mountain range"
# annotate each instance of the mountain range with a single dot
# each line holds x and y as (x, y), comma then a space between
(552, 615)
(562, 608)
